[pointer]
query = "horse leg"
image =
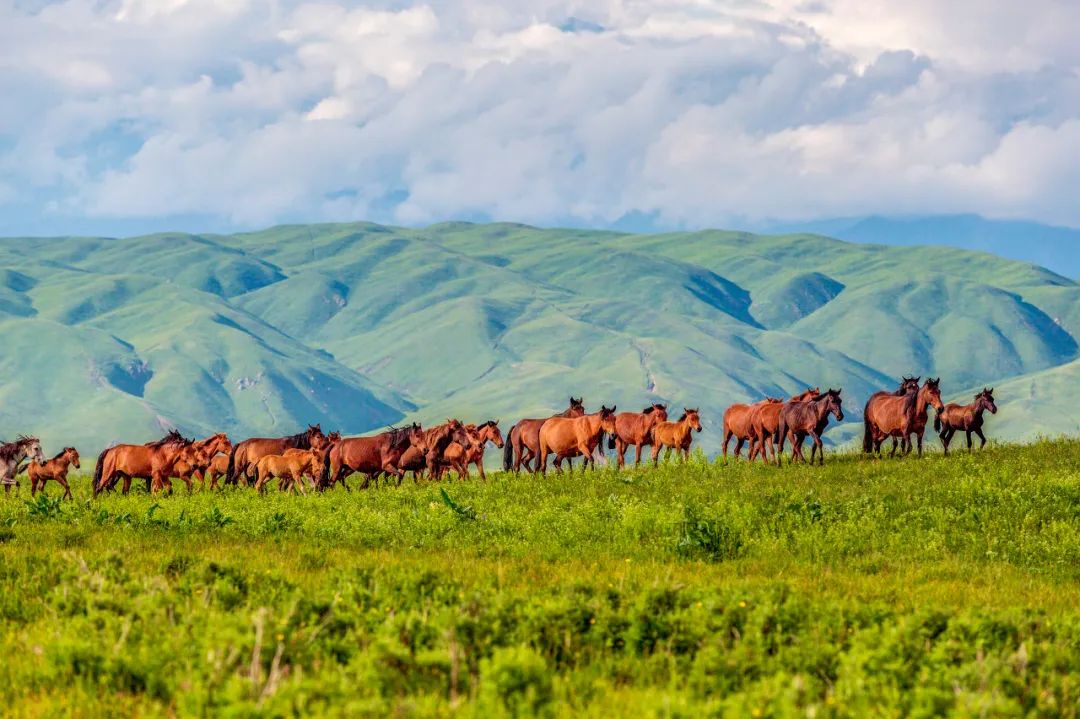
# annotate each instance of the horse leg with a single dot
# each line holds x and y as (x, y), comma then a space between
(968, 432)
(981, 437)
(479, 462)
(656, 454)
(727, 436)
(918, 439)
(738, 445)
(819, 447)
(67, 489)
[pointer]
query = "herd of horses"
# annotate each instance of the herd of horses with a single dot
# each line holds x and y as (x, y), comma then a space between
(316, 460)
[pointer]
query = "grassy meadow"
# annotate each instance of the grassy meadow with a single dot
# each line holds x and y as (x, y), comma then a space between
(941, 586)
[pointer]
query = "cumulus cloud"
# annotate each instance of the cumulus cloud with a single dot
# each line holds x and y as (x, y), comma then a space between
(250, 112)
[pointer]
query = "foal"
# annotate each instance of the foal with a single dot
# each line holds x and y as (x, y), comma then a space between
(56, 469)
(675, 435)
(966, 417)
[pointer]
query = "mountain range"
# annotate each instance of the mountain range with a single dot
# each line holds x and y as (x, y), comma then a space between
(359, 325)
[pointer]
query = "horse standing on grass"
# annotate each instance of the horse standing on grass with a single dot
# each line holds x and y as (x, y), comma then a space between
(246, 454)
(523, 439)
(968, 417)
(737, 425)
(368, 455)
(676, 435)
(289, 469)
(765, 423)
(810, 417)
(12, 455)
(459, 456)
(899, 415)
(55, 469)
(153, 462)
(635, 428)
(195, 462)
(568, 437)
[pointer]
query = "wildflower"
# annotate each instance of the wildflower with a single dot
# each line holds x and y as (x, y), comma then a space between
(280, 637)
(742, 603)
(755, 712)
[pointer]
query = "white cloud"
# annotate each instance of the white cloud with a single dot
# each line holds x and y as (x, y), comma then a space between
(250, 112)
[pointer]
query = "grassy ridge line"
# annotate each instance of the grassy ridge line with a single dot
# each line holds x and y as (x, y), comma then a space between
(864, 587)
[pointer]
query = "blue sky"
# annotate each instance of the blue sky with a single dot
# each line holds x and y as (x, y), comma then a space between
(125, 116)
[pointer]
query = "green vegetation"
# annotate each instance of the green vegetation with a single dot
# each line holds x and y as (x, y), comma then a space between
(261, 333)
(863, 588)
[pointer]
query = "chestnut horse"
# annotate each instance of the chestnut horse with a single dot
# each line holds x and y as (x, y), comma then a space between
(459, 456)
(737, 425)
(523, 439)
(675, 435)
(809, 417)
(153, 462)
(195, 462)
(56, 469)
(12, 455)
(889, 408)
(368, 455)
(765, 423)
(967, 417)
(215, 469)
(244, 455)
(289, 469)
(635, 428)
(570, 436)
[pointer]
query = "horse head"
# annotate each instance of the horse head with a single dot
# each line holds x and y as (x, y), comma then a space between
(833, 403)
(489, 432)
(985, 400)
(931, 393)
(72, 456)
(31, 448)
(607, 419)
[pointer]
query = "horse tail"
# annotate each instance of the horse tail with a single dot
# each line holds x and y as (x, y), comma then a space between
(324, 478)
(937, 421)
(868, 432)
(610, 442)
(97, 471)
(232, 466)
(781, 429)
(508, 449)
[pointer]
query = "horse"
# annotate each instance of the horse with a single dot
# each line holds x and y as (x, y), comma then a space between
(967, 417)
(570, 436)
(459, 456)
(152, 461)
(523, 439)
(195, 462)
(765, 422)
(12, 455)
(314, 471)
(438, 438)
(635, 428)
(55, 469)
(891, 406)
(289, 468)
(244, 455)
(809, 417)
(675, 435)
(215, 469)
(369, 455)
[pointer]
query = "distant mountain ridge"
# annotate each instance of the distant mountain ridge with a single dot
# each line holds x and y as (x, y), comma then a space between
(360, 325)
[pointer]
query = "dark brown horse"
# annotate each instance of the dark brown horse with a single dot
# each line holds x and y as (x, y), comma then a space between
(153, 462)
(568, 437)
(368, 455)
(523, 439)
(765, 423)
(809, 417)
(967, 417)
(12, 455)
(246, 454)
(635, 428)
(676, 435)
(55, 469)
(900, 415)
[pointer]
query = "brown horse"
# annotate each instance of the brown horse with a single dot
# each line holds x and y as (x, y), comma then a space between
(765, 423)
(968, 418)
(153, 462)
(368, 455)
(55, 469)
(244, 455)
(195, 461)
(570, 436)
(12, 455)
(676, 435)
(635, 428)
(459, 456)
(438, 438)
(890, 415)
(215, 469)
(523, 439)
(809, 417)
(737, 425)
(289, 469)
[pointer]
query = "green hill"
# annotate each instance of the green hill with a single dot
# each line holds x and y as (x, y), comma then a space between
(360, 325)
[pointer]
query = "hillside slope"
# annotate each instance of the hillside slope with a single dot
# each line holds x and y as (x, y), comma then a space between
(359, 325)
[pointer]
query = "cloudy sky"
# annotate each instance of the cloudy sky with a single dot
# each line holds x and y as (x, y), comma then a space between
(130, 115)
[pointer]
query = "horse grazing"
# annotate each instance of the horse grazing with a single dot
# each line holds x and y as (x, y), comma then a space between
(246, 454)
(368, 455)
(12, 455)
(675, 435)
(809, 417)
(152, 461)
(55, 469)
(635, 428)
(570, 436)
(523, 439)
(289, 469)
(765, 423)
(459, 456)
(967, 417)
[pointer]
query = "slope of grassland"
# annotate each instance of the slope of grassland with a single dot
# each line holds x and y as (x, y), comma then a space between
(360, 325)
(888, 588)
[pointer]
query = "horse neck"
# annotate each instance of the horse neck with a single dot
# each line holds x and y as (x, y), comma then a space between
(684, 427)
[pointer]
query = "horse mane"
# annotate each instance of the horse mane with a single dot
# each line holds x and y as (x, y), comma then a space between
(398, 437)
(61, 453)
(648, 410)
(173, 437)
(300, 440)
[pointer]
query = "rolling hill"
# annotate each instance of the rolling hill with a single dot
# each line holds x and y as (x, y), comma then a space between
(360, 325)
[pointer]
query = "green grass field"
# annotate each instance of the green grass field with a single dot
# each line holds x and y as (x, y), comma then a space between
(864, 588)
